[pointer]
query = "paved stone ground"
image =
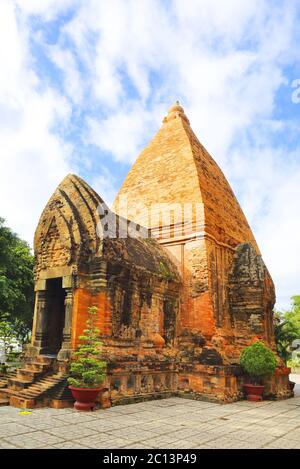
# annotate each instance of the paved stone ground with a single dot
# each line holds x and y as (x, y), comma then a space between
(170, 423)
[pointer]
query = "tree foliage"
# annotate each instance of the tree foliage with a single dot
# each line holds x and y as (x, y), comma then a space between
(16, 282)
(87, 369)
(287, 328)
(7, 335)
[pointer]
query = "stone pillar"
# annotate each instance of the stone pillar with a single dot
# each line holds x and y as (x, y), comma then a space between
(65, 351)
(40, 339)
(68, 315)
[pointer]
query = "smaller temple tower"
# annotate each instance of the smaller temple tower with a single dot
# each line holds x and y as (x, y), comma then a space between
(82, 260)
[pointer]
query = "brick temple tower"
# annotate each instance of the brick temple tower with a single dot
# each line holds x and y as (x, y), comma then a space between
(178, 298)
(177, 189)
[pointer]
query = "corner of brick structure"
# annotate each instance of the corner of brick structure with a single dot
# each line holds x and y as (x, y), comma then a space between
(278, 386)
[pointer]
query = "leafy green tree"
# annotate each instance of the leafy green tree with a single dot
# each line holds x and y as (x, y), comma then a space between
(7, 335)
(88, 370)
(293, 316)
(16, 282)
(287, 328)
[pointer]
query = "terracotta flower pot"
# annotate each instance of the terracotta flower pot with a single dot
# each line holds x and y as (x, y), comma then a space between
(85, 398)
(254, 392)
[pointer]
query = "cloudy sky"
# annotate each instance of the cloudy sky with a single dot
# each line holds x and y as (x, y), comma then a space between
(84, 85)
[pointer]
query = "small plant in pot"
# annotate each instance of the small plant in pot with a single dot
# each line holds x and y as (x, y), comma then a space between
(257, 361)
(87, 371)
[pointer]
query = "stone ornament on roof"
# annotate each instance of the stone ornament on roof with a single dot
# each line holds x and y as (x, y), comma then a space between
(175, 112)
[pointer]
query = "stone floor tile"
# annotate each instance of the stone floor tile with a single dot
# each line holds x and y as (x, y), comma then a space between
(69, 445)
(229, 443)
(179, 444)
(104, 426)
(275, 431)
(11, 419)
(161, 440)
(13, 428)
(137, 446)
(203, 438)
(220, 431)
(252, 437)
(185, 433)
(41, 424)
(171, 423)
(283, 443)
(71, 432)
(77, 418)
(7, 445)
(131, 434)
(34, 440)
(97, 442)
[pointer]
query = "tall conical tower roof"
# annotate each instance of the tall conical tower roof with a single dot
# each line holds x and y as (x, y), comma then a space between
(175, 168)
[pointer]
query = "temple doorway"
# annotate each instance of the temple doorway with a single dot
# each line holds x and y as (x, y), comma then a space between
(55, 315)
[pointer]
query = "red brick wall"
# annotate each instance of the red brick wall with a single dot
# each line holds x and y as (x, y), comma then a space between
(83, 299)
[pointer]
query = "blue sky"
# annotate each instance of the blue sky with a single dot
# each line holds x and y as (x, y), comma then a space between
(85, 84)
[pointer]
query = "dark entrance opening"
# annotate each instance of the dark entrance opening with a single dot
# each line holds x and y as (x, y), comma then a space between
(55, 315)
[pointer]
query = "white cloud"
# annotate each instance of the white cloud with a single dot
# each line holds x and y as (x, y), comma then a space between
(49, 9)
(197, 53)
(278, 233)
(33, 159)
(105, 185)
(123, 132)
(65, 61)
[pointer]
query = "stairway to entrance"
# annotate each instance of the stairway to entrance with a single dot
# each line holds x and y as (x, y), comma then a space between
(37, 384)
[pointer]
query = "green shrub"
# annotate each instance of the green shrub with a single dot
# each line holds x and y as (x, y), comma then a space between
(13, 356)
(257, 360)
(87, 369)
(294, 363)
(3, 369)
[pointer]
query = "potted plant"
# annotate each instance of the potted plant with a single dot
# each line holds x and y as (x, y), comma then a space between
(87, 371)
(257, 361)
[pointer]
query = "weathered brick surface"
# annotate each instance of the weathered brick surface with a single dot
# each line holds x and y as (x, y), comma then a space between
(176, 168)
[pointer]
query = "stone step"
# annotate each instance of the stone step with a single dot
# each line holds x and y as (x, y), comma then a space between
(5, 378)
(44, 359)
(18, 384)
(30, 395)
(10, 392)
(48, 380)
(34, 385)
(4, 401)
(3, 393)
(20, 394)
(24, 374)
(36, 390)
(3, 383)
(22, 403)
(61, 403)
(37, 366)
(40, 388)
(26, 378)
